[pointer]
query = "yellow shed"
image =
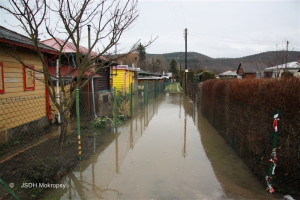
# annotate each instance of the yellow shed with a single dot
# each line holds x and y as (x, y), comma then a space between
(123, 77)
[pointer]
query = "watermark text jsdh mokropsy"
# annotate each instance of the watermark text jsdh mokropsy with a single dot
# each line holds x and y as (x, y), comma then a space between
(43, 185)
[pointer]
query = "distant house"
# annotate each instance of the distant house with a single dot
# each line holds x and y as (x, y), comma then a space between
(132, 60)
(276, 71)
(145, 75)
(228, 75)
(251, 69)
(150, 76)
(155, 79)
(22, 88)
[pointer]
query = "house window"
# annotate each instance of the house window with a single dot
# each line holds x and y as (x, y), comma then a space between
(1, 78)
(29, 80)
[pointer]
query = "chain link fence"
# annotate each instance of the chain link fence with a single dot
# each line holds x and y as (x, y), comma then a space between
(192, 91)
(29, 134)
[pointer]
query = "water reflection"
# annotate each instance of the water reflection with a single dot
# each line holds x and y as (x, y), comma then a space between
(159, 154)
(236, 179)
(184, 146)
(90, 180)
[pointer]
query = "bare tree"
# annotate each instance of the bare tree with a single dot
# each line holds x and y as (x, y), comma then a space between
(67, 18)
(280, 57)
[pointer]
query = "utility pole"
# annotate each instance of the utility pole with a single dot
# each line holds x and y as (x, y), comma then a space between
(185, 64)
(287, 53)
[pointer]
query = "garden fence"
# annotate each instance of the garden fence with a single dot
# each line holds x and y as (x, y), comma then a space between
(29, 147)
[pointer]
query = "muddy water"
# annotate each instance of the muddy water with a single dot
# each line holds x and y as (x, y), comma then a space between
(167, 151)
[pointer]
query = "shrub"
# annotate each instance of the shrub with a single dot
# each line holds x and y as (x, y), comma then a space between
(242, 111)
(207, 76)
(287, 74)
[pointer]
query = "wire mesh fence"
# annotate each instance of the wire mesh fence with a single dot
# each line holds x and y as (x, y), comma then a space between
(29, 135)
(192, 91)
(19, 113)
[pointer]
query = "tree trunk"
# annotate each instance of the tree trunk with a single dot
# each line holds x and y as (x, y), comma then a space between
(63, 127)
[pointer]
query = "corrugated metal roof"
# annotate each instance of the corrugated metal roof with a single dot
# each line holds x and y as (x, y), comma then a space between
(142, 72)
(9, 36)
(150, 78)
(69, 47)
(228, 73)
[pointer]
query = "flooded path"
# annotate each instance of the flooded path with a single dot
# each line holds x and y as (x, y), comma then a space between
(167, 151)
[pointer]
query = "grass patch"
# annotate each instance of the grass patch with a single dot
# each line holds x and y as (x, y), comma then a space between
(172, 88)
(104, 122)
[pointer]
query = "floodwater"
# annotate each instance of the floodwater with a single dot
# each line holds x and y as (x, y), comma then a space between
(166, 151)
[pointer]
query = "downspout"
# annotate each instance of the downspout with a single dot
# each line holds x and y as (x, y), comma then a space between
(57, 90)
(73, 60)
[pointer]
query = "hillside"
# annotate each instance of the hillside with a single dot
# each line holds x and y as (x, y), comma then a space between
(218, 65)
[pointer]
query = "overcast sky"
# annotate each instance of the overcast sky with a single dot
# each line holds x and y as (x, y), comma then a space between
(217, 28)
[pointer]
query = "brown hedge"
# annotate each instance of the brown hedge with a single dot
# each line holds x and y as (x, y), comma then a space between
(242, 111)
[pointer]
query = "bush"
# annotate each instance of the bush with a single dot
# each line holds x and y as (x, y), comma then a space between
(102, 122)
(207, 76)
(287, 74)
(242, 111)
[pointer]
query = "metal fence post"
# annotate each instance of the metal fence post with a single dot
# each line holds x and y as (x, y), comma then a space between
(155, 87)
(145, 91)
(8, 189)
(147, 88)
(131, 100)
(78, 123)
(115, 107)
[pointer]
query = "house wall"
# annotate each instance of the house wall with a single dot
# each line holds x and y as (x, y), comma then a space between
(250, 75)
(103, 82)
(240, 71)
(118, 79)
(19, 107)
(129, 79)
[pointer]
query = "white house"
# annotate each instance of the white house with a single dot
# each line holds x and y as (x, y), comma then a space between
(276, 71)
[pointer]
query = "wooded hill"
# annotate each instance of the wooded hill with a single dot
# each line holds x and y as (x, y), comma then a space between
(218, 65)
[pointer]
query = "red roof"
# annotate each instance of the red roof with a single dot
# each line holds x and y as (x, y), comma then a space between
(69, 47)
(66, 71)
